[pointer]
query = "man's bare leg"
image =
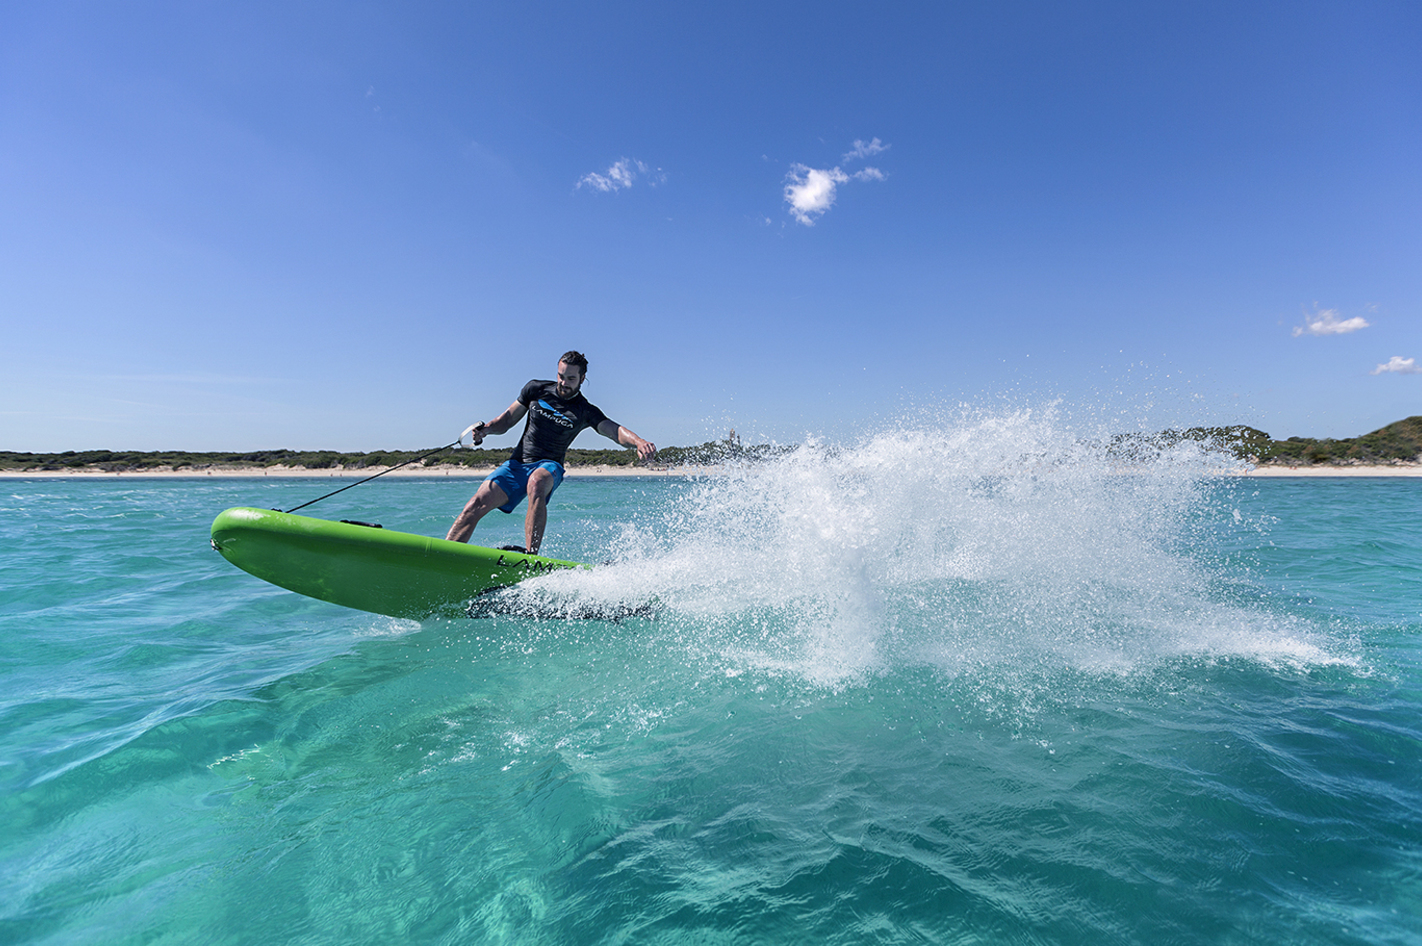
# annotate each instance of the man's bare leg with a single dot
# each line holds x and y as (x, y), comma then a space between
(540, 487)
(489, 497)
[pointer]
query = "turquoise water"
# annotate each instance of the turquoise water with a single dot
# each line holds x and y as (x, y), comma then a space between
(1000, 694)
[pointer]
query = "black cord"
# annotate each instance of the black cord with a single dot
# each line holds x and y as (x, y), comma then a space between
(369, 478)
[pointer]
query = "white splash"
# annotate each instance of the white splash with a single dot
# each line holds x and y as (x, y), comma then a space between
(990, 541)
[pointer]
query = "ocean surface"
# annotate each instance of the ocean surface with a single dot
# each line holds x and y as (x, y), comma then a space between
(986, 685)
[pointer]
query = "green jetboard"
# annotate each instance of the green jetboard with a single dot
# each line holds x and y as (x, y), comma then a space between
(366, 567)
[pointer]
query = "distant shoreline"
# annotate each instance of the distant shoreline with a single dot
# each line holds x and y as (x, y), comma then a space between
(1271, 471)
(1391, 451)
(1357, 471)
(287, 472)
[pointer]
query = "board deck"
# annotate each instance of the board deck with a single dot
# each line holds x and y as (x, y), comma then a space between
(366, 567)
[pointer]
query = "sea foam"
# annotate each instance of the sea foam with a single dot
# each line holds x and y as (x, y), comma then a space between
(989, 541)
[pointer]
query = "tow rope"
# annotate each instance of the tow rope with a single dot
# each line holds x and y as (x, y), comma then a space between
(392, 469)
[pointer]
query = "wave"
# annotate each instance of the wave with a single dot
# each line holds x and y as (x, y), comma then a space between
(995, 541)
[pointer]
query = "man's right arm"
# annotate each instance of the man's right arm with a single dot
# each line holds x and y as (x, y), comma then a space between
(500, 424)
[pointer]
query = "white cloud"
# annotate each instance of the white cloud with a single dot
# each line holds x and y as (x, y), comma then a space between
(1327, 322)
(623, 173)
(1399, 365)
(863, 149)
(811, 191)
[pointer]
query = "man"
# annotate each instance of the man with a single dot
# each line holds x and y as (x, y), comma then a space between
(557, 412)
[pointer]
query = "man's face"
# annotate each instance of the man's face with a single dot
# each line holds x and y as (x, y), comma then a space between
(570, 378)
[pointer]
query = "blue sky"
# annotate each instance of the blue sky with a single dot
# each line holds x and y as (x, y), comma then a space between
(365, 225)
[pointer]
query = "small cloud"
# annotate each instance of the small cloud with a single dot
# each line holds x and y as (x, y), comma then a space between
(811, 192)
(1327, 322)
(863, 149)
(621, 176)
(1399, 365)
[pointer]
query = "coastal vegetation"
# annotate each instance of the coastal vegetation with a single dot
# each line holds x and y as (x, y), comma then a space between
(1399, 442)
(135, 461)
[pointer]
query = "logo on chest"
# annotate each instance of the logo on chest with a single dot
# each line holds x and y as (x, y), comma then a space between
(545, 410)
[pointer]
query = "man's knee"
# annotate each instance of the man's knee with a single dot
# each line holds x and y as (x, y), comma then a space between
(541, 484)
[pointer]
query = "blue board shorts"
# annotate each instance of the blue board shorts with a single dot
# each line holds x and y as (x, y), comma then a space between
(512, 478)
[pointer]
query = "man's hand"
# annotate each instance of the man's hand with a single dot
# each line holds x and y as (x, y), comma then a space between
(645, 450)
(475, 433)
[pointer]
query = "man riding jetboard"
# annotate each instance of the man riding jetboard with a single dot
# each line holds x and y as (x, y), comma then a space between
(556, 412)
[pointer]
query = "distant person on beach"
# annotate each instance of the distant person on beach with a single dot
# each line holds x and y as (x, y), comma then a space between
(557, 412)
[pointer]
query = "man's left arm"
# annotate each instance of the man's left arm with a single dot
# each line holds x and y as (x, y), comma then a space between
(615, 431)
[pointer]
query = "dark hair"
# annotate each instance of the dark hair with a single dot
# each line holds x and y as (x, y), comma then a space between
(575, 359)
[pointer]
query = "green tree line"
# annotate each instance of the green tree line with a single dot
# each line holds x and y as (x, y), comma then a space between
(1400, 441)
(136, 461)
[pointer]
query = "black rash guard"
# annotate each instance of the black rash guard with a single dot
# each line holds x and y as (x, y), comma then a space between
(552, 422)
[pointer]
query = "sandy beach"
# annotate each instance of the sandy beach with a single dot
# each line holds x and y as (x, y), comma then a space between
(339, 473)
(1358, 471)
(1347, 472)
